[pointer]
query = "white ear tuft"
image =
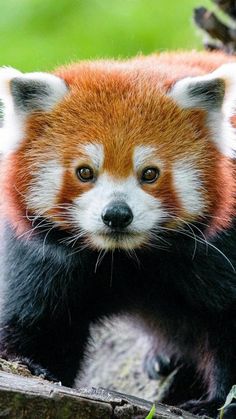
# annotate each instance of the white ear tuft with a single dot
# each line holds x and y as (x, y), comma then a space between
(21, 95)
(37, 91)
(6, 74)
(199, 92)
(215, 93)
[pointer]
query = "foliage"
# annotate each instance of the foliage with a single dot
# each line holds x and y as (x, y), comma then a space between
(229, 399)
(151, 413)
(38, 34)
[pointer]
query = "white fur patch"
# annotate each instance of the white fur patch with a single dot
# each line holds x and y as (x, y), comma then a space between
(95, 153)
(147, 210)
(12, 131)
(45, 186)
(143, 155)
(223, 133)
(179, 93)
(188, 186)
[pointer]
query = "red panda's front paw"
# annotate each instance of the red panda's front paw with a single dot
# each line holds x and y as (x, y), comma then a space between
(37, 369)
(157, 366)
(34, 368)
(208, 408)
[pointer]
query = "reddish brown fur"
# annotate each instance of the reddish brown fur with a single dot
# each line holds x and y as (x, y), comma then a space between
(122, 105)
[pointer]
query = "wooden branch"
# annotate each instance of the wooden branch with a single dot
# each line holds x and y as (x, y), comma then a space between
(24, 397)
(210, 23)
(227, 6)
(224, 35)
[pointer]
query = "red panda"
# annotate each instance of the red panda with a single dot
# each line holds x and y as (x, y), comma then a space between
(108, 159)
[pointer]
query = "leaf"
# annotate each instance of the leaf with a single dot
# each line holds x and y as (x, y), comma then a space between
(229, 398)
(152, 412)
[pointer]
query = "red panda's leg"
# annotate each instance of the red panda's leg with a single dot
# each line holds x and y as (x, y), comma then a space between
(219, 373)
(183, 382)
(52, 352)
(184, 385)
(49, 303)
(157, 365)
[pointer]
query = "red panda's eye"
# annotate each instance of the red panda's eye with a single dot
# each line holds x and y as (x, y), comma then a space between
(85, 174)
(150, 175)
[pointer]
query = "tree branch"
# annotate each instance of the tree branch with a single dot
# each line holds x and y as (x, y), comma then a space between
(222, 35)
(209, 22)
(227, 6)
(24, 397)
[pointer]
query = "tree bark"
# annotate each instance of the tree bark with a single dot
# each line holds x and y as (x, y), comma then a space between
(33, 398)
(227, 6)
(221, 36)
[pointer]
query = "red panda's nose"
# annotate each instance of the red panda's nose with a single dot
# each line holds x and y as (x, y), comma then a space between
(117, 215)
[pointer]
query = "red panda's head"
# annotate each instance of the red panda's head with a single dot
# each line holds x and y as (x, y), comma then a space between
(112, 156)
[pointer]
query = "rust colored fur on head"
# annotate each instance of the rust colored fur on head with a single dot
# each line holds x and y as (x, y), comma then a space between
(122, 104)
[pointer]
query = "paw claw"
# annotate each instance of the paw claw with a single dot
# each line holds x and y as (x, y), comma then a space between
(201, 408)
(33, 368)
(157, 366)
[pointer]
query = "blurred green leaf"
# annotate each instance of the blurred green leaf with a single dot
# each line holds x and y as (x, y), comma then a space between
(151, 413)
(229, 399)
(38, 34)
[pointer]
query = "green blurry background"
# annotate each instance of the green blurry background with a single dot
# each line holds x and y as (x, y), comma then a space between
(41, 34)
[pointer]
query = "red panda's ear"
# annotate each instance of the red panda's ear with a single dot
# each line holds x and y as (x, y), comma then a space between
(198, 92)
(21, 95)
(37, 91)
(216, 94)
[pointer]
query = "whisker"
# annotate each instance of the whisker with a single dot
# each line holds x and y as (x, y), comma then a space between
(132, 254)
(100, 257)
(202, 242)
(112, 264)
(45, 238)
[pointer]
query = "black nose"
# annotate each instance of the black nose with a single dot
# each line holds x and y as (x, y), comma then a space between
(117, 215)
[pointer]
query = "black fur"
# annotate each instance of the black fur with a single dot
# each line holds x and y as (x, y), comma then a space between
(184, 296)
(209, 93)
(29, 95)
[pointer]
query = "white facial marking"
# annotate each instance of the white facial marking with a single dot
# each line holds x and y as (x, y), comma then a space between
(45, 186)
(147, 211)
(95, 152)
(188, 185)
(142, 155)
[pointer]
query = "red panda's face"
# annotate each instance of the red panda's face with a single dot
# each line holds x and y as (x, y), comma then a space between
(114, 181)
(116, 163)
